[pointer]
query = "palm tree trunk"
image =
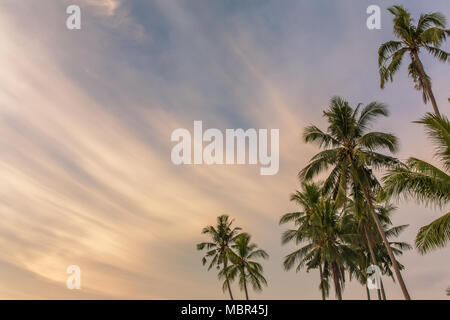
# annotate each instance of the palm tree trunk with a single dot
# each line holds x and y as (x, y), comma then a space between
(386, 244)
(368, 292)
(337, 284)
(372, 254)
(228, 281)
(246, 291)
(245, 285)
(426, 83)
(321, 282)
(229, 289)
(382, 289)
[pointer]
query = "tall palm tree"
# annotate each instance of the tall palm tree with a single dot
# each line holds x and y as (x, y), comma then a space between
(368, 236)
(384, 213)
(325, 238)
(307, 198)
(241, 254)
(359, 270)
(427, 183)
(351, 152)
(370, 244)
(428, 34)
(222, 237)
(363, 228)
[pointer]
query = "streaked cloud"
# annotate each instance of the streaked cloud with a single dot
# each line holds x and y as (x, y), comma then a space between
(107, 7)
(85, 124)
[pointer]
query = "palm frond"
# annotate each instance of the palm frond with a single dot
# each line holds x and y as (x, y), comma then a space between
(434, 235)
(291, 217)
(297, 256)
(442, 55)
(426, 188)
(431, 19)
(314, 134)
(395, 231)
(438, 130)
(379, 140)
(370, 112)
(434, 36)
(322, 161)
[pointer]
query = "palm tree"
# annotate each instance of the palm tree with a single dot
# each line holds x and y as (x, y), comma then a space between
(325, 236)
(307, 199)
(368, 238)
(397, 248)
(351, 150)
(428, 34)
(370, 242)
(363, 228)
(222, 237)
(427, 183)
(243, 266)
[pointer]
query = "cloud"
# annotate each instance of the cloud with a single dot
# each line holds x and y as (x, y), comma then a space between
(85, 124)
(106, 7)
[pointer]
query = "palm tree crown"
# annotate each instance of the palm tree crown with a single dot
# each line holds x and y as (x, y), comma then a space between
(429, 34)
(243, 267)
(324, 232)
(350, 148)
(222, 237)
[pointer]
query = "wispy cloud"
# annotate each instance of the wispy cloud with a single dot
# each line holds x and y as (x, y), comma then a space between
(106, 7)
(85, 124)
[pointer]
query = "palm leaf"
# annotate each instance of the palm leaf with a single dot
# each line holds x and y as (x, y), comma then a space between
(434, 235)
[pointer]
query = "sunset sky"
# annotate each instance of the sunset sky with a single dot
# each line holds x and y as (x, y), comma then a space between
(85, 123)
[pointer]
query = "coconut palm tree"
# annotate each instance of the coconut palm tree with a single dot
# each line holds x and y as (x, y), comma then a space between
(242, 266)
(360, 267)
(427, 183)
(369, 243)
(366, 237)
(307, 198)
(324, 233)
(222, 237)
(384, 212)
(351, 152)
(429, 34)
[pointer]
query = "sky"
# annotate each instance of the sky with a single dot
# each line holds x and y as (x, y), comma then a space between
(86, 118)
